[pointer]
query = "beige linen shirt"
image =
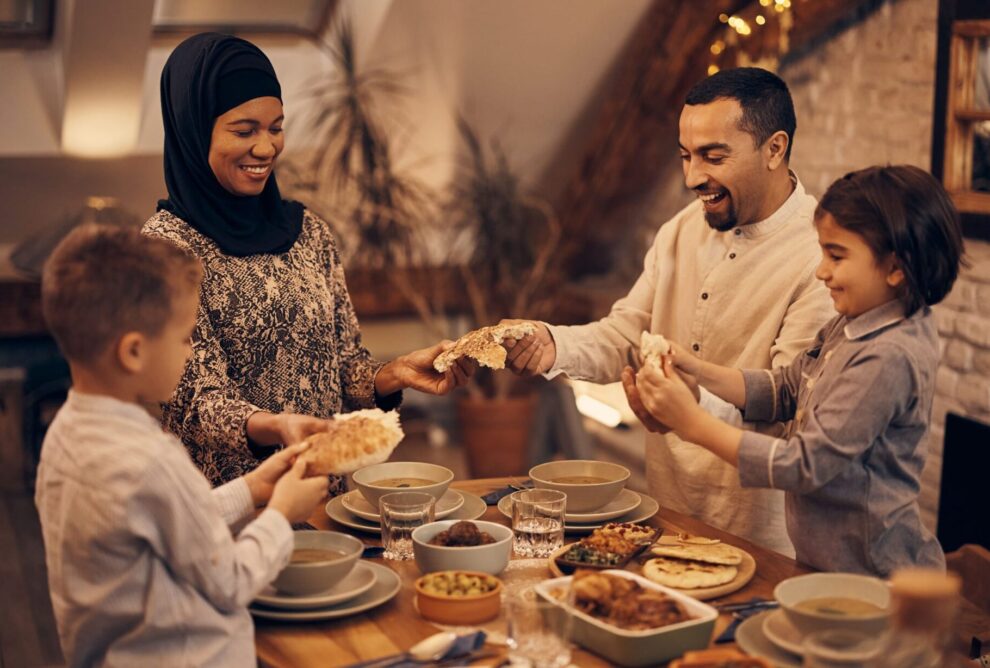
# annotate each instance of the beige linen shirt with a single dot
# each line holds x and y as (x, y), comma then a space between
(142, 567)
(743, 298)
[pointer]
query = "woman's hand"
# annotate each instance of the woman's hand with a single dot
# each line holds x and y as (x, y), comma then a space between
(666, 396)
(261, 481)
(416, 370)
(265, 428)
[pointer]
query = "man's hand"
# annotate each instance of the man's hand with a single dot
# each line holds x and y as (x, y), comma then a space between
(416, 370)
(533, 354)
(666, 396)
(261, 481)
(636, 403)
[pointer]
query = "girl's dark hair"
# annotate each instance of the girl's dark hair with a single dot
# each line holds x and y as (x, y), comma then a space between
(902, 210)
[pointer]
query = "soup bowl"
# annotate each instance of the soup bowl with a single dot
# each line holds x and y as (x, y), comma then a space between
(301, 578)
(379, 479)
(491, 558)
(821, 601)
(588, 484)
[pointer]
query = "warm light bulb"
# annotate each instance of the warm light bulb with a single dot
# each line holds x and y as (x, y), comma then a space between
(724, 18)
(717, 47)
(760, 20)
(712, 69)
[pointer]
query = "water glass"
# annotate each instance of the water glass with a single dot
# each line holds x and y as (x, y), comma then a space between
(401, 512)
(538, 521)
(538, 632)
(838, 648)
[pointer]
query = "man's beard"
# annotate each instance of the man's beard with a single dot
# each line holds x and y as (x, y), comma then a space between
(721, 222)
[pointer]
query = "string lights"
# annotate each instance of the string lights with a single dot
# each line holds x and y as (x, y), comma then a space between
(734, 48)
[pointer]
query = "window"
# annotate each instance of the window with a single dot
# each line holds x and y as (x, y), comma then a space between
(961, 144)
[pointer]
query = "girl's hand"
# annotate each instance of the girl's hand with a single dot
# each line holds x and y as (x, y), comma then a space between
(295, 496)
(261, 481)
(666, 396)
(636, 403)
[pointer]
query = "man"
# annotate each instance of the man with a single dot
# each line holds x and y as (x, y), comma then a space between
(731, 277)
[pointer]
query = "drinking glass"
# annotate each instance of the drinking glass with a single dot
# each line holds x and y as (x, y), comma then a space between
(401, 512)
(538, 521)
(836, 648)
(538, 631)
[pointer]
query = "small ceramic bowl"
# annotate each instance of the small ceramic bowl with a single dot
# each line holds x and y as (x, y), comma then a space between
(793, 591)
(582, 497)
(365, 479)
(491, 558)
(302, 579)
(459, 610)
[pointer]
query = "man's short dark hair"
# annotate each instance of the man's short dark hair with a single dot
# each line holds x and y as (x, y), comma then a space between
(766, 103)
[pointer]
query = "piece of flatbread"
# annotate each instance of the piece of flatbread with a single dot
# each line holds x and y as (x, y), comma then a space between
(684, 574)
(484, 345)
(354, 440)
(653, 347)
(719, 553)
(692, 539)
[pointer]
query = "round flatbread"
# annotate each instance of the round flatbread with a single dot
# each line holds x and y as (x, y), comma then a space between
(354, 440)
(652, 348)
(484, 345)
(691, 539)
(683, 574)
(719, 553)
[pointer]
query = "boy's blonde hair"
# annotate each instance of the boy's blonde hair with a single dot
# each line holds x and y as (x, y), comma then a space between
(102, 282)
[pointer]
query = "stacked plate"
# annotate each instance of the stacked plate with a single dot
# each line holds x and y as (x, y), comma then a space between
(368, 585)
(628, 506)
(354, 511)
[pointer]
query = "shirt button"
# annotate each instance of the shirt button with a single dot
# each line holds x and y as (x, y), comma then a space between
(737, 231)
(695, 347)
(732, 256)
(704, 295)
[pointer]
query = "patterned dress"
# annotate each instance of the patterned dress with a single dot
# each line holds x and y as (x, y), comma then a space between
(275, 332)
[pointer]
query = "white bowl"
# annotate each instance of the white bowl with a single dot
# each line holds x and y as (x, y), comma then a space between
(793, 591)
(638, 648)
(582, 497)
(365, 477)
(491, 558)
(317, 576)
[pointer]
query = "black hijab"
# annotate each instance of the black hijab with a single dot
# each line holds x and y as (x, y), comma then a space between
(206, 76)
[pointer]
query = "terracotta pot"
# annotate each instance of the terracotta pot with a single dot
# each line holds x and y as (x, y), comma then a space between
(496, 434)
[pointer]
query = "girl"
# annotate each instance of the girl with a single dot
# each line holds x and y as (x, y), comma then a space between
(859, 400)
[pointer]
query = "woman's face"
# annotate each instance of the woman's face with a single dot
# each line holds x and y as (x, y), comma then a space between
(245, 143)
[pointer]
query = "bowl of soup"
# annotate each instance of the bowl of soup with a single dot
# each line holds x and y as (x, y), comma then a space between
(379, 479)
(320, 559)
(588, 484)
(848, 601)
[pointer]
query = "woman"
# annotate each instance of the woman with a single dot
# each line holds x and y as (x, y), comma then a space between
(277, 348)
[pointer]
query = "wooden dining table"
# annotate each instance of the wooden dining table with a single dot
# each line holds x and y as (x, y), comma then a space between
(395, 626)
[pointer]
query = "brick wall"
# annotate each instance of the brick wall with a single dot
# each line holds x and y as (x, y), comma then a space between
(866, 97)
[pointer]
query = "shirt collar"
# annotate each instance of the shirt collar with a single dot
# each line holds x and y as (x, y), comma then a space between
(877, 318)
(779, 217)
(105, 405)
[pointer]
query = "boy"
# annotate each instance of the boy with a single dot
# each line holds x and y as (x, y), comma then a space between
(142, 566)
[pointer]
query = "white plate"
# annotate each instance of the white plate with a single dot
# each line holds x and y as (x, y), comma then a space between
(779, 630)
(473, 508)
(626, 502)
(359, 580)
(750, 638)
(646, 509)
(387, 584)
(356, 504)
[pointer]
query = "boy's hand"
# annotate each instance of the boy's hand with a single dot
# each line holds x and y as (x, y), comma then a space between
(636, 403)
(684, 360)
(530, 355)
(261, 481)
(295, 496)
(666, 396)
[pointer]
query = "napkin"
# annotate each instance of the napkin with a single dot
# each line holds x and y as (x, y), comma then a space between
(462, 648)
(493, 498)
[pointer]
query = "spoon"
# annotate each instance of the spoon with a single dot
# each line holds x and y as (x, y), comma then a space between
(426, 650)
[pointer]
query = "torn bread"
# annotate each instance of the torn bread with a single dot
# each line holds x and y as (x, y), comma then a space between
(683, 574)
(353, 440)
(484, 345)
(719, 553)
(653, 347)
